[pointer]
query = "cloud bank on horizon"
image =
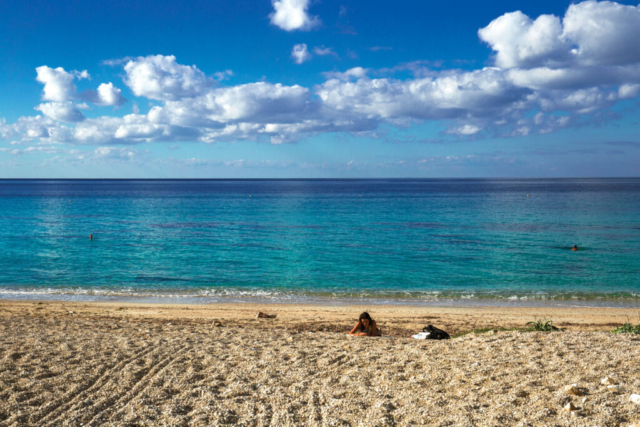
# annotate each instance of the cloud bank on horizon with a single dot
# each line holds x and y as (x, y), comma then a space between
(546, 73)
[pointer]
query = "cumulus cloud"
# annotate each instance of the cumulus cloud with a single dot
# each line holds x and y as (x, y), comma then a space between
(548, 73)
(594, 44)
(522, 42)
(300, 54)
(58, 84)
(603, 32)
(628, 91)
(59, 87)
(293, 15)
(473, 94)
(591, 33)
(62, 111)
(162, 78)
(108, 94)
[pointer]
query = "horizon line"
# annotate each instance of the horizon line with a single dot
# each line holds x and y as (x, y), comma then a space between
(317, 179)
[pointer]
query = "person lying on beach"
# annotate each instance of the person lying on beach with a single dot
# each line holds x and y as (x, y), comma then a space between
(366, 327)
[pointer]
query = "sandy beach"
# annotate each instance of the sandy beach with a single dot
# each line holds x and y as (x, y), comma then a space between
(143, 364)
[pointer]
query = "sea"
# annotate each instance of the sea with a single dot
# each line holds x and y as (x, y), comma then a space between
(373, 241)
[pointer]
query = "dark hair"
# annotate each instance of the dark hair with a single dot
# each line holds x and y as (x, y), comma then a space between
(363, 316)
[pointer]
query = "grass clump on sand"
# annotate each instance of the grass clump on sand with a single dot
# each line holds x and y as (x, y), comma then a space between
(627, 328)
(542, 325)
(539, 325)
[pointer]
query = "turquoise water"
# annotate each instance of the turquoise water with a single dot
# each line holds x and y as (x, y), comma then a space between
(417, 241)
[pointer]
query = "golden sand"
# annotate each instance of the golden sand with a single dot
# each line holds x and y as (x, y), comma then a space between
(133, 364)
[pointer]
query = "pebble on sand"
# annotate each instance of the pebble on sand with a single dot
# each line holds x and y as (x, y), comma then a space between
(635, 398)
(570, 407)
(608, 381)
(573, 390)
(616, 388)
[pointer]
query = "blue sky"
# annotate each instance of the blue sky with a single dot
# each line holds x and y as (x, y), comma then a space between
(301, 88)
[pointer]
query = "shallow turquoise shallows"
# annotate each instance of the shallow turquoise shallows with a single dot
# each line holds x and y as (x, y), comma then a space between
(416, 241)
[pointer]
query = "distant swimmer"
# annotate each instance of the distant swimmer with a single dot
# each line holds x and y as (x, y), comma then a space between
(574, 248)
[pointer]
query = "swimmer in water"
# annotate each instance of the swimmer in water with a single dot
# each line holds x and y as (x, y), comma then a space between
(574, 248)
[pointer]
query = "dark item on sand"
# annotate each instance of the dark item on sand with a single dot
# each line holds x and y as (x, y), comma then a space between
(435, 333)
(262, 315)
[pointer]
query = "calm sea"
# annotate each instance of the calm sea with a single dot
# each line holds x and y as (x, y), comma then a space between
(375, 241)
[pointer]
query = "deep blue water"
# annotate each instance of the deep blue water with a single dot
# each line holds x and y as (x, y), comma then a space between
(380, 240)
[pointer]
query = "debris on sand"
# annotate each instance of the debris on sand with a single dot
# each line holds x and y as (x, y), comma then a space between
(573, 390)
(262, 315)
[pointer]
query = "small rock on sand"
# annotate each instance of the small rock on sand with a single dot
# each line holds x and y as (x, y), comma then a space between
(608, 381)
(573, 390)
(616, 388)
(635, 398)
(570, 407)
(521, 393)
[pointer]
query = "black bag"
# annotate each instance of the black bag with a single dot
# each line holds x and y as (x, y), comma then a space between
(435, 333)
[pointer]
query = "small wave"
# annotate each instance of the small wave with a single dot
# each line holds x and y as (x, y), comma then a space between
(274, 295)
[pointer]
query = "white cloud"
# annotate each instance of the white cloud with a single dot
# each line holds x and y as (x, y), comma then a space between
(590, 34)
(109, 95)
(62, 111)
(473, 94)
(520, 41)
(628, 91)
(548, 74)
(604, 32)
(58, 84)
(253, 102)
(595, 44)
(465, 130)
(300, 54)
(115, 153)
(59, 87)
(222, 75)
(162, 78)
(292, 15)
(380, 48)
(324, 51)
(352, 73)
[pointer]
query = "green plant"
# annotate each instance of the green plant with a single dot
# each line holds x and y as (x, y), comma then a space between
(627, 328)
(542, 325)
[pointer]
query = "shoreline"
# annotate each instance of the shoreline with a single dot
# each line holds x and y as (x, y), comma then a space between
(397, 320)
(527, 301)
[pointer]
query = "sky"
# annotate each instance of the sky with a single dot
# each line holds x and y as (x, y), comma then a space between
(319, 89)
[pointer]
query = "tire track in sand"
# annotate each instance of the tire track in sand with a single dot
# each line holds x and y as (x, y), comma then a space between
(138, 388)
(73, 398)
